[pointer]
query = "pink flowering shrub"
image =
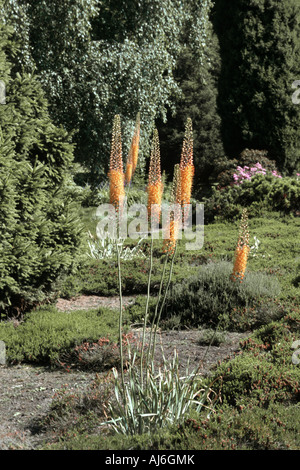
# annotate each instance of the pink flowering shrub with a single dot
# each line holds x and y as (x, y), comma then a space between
(246, 173)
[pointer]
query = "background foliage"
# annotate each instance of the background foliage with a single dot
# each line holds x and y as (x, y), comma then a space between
(230, 69)
(260, 51)
(96, 59)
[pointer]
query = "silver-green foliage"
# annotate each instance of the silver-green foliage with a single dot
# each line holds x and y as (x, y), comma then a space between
(164, 398)
(104, 247)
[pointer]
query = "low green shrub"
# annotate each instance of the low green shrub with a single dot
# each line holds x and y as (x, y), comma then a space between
(136, 310)
(100, 355)
(46, 334)
(263, 372)
(72, 412)
(210, 297)
(99, 277)
(253, 379)
(274, 428)
(211, 337)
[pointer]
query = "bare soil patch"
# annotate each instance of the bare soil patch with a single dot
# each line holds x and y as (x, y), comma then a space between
(85, 302)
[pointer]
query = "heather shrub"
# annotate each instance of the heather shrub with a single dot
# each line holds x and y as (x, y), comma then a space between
(98, 277)
(98, 355)
(210, 297)
(211, 337)
(48, 336)
(263, 373)
(250, 428)
(255, 379)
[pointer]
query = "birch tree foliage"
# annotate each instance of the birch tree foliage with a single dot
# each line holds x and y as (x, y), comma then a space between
(96, 58)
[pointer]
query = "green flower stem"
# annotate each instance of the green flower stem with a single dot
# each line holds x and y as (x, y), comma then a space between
(147, 306)
(121, 322)
(156, 308)
(164, 299)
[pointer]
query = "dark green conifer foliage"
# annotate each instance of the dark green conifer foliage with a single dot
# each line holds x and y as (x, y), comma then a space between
(260, 53)
(39, 230)
(198, 82)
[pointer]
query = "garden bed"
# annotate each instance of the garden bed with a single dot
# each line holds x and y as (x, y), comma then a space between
(27, 391)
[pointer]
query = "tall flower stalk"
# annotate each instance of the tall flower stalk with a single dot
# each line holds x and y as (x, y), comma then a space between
(116, 174)
(187, 168)
(155, 185)
(128, 172)
(132, 158)
(117, 196)
(134, 149)
(165, 397)
(155, 190)
(169, 246)
(242, 250)
(171, 232)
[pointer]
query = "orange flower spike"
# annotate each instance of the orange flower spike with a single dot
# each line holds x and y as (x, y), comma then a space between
(155, 187)
(187, 176)
(187, 169)
(135, 144)
(242, 250)
(241, 256)
(133, 152)
(170, 241)
(117, 192)
(128, 174)
(116, 175)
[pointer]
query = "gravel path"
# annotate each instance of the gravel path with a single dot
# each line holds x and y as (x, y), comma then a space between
(25, 395)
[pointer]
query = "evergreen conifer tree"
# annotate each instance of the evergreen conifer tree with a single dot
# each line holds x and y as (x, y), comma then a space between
(40, 232)
(198, 82)
(260, 53)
